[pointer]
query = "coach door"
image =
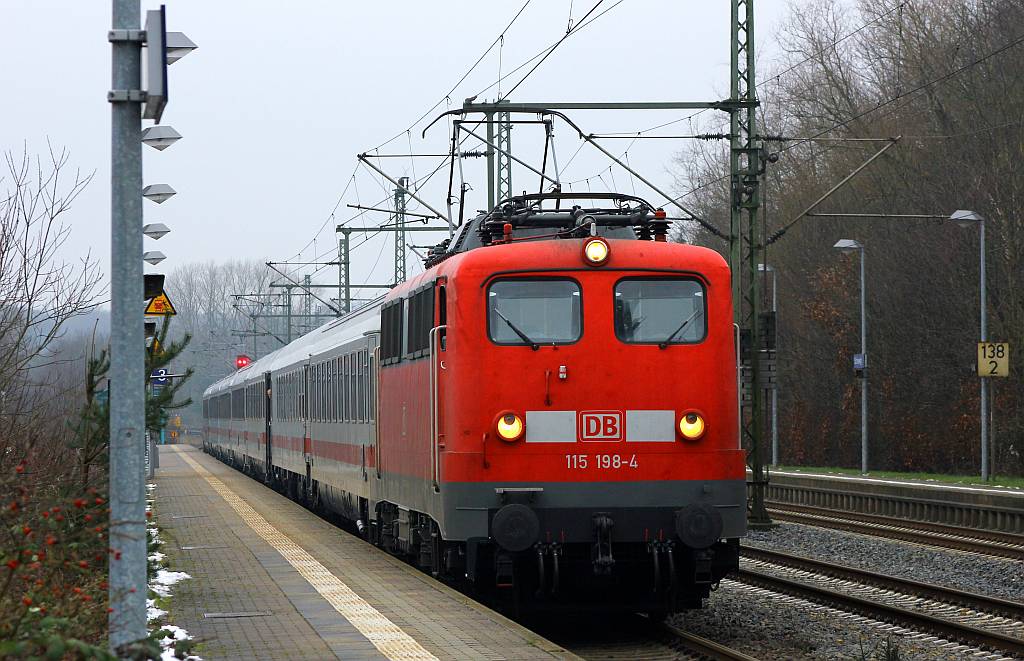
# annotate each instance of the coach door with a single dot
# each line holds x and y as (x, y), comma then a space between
(269, 456)
(304, 409)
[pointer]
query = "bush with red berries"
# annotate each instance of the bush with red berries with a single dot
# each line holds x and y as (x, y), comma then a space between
(53, 563)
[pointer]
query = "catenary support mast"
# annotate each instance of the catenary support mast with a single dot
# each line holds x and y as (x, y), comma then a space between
(745, 237)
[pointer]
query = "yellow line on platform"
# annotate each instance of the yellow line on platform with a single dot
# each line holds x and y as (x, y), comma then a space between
(385, 635)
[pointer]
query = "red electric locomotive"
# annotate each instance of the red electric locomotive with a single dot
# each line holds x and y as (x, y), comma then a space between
(549, 411)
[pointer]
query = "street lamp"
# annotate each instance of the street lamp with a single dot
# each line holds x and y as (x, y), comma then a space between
(154, 257)
(156, 231)
(849, 246)
(768, 268)
(966, 218)
(178, 46)
(160, 137)
(158, 193)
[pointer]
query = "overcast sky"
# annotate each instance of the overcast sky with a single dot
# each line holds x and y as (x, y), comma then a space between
(280, 97)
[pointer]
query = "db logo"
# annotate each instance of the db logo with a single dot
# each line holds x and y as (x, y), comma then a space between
(601, 426)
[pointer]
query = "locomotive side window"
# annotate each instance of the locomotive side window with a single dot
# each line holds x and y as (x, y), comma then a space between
(660, 311)
(421, 320)
(533, 311)
(391, 332)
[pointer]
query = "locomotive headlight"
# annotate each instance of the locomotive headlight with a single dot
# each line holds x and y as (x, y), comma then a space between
(509, 427)
(692, 426)
(595, 251)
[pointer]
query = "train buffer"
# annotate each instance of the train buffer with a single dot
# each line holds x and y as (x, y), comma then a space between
(271, 580)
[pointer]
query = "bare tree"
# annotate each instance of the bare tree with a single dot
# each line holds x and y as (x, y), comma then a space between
(206, 311)
(40, 293)
(948, 77)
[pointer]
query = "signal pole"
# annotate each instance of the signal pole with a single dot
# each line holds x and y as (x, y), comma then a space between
(127, 618)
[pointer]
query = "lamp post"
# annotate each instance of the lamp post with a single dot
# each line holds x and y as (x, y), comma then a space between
(967, 218)
(775, 391)
(848, 246)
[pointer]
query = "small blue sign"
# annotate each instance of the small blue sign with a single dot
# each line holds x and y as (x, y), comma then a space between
(860, 361)
(159, 377)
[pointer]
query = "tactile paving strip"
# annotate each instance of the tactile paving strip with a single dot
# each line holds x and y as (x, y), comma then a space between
(384, 634)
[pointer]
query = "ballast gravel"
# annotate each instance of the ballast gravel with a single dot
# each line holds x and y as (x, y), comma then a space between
(771, 626)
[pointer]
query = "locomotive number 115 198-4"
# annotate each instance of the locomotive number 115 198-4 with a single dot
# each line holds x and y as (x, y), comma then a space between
(600, 461)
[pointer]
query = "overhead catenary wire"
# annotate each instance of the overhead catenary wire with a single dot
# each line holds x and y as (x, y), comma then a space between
(330, 216)
(575, 30)
(552, 49)
(883, 104)
(774, 76)
(587, 20)
(447, 95)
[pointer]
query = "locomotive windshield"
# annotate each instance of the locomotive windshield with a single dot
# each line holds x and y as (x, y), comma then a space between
(530, 312)
(659, 311)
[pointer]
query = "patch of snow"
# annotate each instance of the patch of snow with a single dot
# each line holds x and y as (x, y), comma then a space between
(164, 579)
(167, 643)
(156, 556)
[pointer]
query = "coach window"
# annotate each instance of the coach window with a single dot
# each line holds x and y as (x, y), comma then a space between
(660, 311)
(343, 390)
(319, 391)
(353, 415)
(524, 311)
(363, 414)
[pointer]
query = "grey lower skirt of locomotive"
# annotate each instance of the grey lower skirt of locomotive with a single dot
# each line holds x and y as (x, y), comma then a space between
(656, 560)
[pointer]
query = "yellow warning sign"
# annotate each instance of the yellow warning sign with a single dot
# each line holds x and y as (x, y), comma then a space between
(160, 305)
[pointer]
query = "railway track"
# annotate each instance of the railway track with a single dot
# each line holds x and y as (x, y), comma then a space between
(998, 544)
(1003, 608)
(637, 639)
(969, 619)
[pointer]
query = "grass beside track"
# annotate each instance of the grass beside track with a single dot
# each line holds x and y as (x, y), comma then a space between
(1000, 481)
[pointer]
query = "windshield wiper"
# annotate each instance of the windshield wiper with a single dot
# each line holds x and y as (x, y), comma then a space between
(515, 329)
(664, 343)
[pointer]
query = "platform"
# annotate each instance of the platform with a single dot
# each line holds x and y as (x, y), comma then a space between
(270, 580)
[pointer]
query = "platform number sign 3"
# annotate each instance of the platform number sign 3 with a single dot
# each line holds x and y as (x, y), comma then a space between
(993, 359)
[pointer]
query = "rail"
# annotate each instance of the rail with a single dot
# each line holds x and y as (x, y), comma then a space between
(962, 539)
(707, 649)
